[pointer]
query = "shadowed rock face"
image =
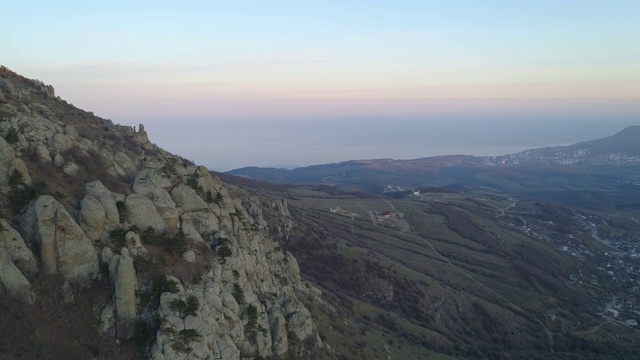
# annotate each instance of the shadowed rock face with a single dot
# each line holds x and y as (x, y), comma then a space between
(15, 259)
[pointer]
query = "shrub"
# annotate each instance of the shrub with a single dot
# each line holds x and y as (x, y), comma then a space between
(238, 294)
(197, 278)
(189, 335)
(178, 243)
(141, 264)
(169, 167)
(252, 315)
(11, 136)
(190, 307)
(218, 199)
(159, 285)
(15, 179)
(122, 215)
(143, 334)
(117, 237)
(21, 194)
(149, 235)
(193, 183)
(224, 252)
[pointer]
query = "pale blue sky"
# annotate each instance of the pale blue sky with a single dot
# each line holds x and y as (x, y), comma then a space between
(220, 62)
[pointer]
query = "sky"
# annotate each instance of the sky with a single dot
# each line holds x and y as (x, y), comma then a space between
(293, 83)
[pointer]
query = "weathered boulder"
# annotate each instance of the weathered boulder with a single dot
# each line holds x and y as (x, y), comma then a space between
(187, 227)
(7, 152)
(44, 156)
(124, 295)
(205, 223)
(148, 182)
(92, 217)
(13, 243)
(187, 198)
(64, 247)
(106, 198)
(62, 142)
(13, 281)
(15, 261)
(189, 256)
(255, 211)
(134, 245)
(153, 185)
(142, 213)
(70, 169)
(279, 339)
(71, 132)
(108, 320)
(58, 160)
(141, 135)
(123, 163)
(299, 322)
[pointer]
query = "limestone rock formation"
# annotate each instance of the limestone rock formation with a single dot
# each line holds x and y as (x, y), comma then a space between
(108, 201)
(64, 247)
(247, 304)
(8, 163)
(153, 186)
(14, 244)
(15, 261)
(92, 217)
(142, 213)
(134, 245)
(245, 301)
(13, 281)
(185, 197)
(124, 296)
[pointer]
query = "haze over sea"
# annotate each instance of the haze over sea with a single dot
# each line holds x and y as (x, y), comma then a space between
(292, 83)
(226, 145)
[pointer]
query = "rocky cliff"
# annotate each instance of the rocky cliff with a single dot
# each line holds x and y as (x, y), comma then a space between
(191, 269)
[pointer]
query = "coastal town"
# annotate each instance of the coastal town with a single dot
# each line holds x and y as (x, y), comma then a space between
(611, 253)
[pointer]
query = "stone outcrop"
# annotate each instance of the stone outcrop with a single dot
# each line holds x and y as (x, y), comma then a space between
(106, 198)
(64, 247)
(124, 294)
(12, 281)
(16, 260)
(142, 213)
(92, 218)
(13, 243)
(246, 299)
(134, 245)
(8, 163)
(153, 186)
(248, 303)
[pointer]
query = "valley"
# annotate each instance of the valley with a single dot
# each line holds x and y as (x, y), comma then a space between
(532, 273)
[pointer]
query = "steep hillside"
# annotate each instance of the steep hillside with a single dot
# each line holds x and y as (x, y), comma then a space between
(106, 237)
(453, 274)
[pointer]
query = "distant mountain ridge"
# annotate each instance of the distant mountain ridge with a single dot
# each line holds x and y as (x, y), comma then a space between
(624, 142)
(512, 172)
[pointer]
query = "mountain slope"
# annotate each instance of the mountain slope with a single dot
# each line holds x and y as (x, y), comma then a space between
(104, 236)
(448, 274)
(113, 248)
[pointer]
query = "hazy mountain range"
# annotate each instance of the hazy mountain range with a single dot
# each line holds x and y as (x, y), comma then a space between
(609, 163)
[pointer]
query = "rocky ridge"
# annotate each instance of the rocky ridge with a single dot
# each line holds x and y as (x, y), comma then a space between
(192, 269)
